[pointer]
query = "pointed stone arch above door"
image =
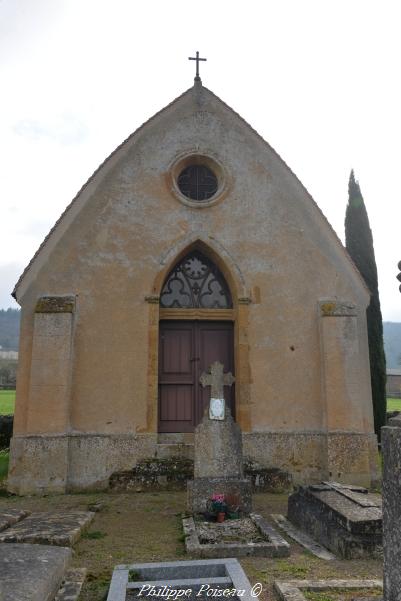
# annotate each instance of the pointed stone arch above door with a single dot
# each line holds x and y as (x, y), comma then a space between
(220, 299)
(195, 282)
(216, 252)
(196, 288)
(196, 329)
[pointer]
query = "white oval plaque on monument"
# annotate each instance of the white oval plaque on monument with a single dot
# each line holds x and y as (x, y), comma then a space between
(217, 409)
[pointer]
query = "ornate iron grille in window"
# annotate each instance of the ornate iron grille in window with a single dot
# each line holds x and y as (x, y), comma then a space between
(197, 182)
(195, 282)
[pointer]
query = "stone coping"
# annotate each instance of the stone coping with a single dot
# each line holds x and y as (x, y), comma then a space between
(291, 590)
(302, 538)
(275, 545)
(193, 575)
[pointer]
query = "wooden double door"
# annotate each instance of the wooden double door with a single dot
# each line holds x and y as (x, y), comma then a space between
(186, 350)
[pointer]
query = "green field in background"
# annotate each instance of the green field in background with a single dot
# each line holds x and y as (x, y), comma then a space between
(7, 401)
(393, 404)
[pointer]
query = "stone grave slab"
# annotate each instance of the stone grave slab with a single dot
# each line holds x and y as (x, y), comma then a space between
(347, 520)
(251, 536)
(194, 577)
(291, 590)
(61, 528)
(9, 517)
(31, 572)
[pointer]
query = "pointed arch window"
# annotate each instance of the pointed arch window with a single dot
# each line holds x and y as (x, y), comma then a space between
(195, 283)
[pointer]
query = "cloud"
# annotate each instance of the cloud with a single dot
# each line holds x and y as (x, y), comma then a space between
(63, 129)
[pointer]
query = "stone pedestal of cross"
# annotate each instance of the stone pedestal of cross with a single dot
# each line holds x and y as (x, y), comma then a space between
(218, 466)
(217, 379)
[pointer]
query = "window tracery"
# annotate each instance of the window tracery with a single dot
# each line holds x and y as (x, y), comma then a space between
(195, 282)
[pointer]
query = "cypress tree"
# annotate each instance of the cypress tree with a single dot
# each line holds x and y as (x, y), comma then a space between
(359, 244)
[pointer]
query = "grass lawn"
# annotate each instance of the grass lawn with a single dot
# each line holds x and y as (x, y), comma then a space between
(7, 400)
(146, 527)
(3, 464)
(393, 404)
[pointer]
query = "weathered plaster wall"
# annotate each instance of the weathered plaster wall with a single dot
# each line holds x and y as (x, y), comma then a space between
(122, 235)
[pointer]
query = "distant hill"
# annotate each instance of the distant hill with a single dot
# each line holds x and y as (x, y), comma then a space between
(9, 329)
(392, 343)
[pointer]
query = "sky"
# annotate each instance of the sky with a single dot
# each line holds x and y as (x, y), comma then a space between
(318, 79)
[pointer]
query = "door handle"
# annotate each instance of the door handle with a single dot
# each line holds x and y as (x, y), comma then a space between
(195, 359)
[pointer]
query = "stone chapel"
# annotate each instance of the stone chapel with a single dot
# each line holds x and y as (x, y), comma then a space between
(192, 243)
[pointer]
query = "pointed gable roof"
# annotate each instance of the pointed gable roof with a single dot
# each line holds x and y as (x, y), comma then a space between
(88, 188)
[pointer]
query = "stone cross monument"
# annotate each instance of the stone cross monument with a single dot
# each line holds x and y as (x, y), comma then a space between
(218, 450)
(217, 379)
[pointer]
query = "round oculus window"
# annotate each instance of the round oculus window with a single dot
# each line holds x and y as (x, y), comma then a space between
(197, 182)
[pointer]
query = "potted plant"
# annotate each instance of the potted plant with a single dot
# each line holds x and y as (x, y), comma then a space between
(219, 506)
(233, 503)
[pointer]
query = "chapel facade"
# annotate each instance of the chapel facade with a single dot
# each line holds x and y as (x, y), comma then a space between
(192, 243)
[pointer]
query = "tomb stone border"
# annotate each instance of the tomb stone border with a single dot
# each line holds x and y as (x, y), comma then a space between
(181, 574)
(291, 590)
(275, 545)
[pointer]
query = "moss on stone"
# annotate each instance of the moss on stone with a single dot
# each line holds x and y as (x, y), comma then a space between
(327, 309)
(154, 473)
(55, 304)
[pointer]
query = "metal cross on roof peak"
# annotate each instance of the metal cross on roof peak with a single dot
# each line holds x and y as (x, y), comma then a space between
(197, 59)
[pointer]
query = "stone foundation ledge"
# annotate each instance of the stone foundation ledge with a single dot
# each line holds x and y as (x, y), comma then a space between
(78, 461)
(314, 456)
(73, 462)
(267, 479)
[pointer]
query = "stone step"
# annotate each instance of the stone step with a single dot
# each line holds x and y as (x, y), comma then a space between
(155, 473)
(173, 466)
(168, 450)
(175, 438)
